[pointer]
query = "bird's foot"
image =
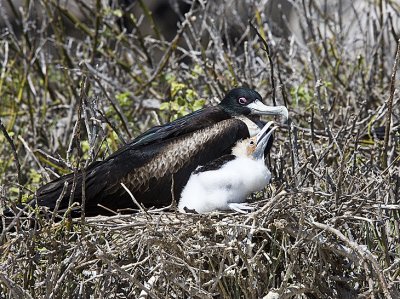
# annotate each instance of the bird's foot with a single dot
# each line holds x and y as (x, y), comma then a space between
(191, 211)
(240, 207)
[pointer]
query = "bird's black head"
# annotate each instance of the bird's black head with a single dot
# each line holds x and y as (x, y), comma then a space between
(246, 101)
(237, 101)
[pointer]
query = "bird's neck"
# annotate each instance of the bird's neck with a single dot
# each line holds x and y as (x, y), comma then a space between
(251, 125)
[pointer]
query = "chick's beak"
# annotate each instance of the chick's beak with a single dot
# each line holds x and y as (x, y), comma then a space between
(262, 140)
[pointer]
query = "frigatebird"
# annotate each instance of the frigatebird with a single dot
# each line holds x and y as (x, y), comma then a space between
(157, 164)
(225, 183)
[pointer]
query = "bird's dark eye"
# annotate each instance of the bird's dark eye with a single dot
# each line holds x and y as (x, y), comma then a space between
(242, 101)
(251, 142)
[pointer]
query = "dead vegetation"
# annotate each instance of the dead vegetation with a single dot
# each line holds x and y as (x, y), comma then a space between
(73, 90)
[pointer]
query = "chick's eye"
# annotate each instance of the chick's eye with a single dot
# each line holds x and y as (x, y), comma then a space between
(242, 101)
(252, 142)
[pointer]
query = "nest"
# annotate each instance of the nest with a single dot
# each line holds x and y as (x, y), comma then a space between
(288, 246)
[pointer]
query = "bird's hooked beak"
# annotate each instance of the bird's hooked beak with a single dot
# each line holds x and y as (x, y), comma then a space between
(258, 108)
(262, 140)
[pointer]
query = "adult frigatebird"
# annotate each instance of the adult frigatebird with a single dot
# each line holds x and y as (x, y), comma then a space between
(156, 165)
(225, 183)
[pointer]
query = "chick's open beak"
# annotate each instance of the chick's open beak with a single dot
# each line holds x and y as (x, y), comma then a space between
(262, 140)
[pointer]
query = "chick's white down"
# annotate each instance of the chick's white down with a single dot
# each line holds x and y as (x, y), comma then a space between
(231, 184)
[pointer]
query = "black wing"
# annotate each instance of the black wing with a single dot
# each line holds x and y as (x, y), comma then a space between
(215, 164)
(189, 123)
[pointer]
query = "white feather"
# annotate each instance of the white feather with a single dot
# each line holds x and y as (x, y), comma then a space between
(232, 183)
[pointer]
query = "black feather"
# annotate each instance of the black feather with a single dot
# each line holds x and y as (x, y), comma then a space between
(215, 164)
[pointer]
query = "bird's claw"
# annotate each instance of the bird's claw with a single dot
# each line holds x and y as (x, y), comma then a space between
(240, 207)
